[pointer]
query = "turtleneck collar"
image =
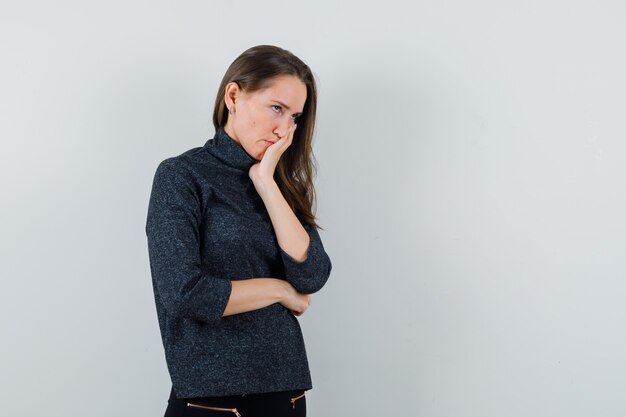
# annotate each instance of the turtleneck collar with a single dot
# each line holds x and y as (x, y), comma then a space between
(224, 148)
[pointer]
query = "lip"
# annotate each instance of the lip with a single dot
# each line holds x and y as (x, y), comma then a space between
(269, 142)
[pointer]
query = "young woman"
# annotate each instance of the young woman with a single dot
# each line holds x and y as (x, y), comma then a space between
(234, 248)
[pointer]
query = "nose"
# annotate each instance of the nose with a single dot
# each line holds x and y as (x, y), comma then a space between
(283, 127)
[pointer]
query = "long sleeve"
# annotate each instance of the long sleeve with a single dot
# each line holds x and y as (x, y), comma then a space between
(310, 275)
(172, 228)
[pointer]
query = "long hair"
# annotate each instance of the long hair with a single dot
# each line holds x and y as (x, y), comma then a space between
(254, 70)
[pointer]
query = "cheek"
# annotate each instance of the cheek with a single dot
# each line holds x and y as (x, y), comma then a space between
(259, 125)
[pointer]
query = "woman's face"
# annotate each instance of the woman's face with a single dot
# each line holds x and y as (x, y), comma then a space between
(261, 118)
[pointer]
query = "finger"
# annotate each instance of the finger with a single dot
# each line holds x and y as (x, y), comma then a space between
(283, 143)
(293, 130)
(289, 136)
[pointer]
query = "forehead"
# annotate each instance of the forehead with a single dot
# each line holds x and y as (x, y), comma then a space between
(287, 89)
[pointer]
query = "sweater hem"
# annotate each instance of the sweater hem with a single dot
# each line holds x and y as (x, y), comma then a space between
(205, 393)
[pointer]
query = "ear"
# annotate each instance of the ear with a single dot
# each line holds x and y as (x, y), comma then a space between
(231, 94)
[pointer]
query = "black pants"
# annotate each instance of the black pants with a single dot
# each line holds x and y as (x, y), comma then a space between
(271, 404)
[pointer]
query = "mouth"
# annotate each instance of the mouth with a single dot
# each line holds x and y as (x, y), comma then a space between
(269, 142)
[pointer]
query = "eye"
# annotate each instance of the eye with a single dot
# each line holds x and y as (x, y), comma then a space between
(275, 106)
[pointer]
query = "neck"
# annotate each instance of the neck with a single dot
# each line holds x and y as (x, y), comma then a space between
(231, 132)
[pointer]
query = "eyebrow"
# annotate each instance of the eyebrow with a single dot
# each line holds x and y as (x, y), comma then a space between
(285, 106)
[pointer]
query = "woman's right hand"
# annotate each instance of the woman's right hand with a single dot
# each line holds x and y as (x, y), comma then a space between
(296, 302)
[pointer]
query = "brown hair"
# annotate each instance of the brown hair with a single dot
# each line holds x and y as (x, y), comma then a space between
(254, 70)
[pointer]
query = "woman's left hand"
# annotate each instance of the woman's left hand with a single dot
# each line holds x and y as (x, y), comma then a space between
(264, 169)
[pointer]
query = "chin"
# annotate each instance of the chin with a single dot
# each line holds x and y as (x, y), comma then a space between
(259, 155)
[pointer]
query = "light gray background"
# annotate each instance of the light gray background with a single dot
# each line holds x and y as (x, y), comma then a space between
(472, 165)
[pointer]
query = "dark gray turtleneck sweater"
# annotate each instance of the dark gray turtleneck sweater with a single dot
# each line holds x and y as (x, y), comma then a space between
(207, 225)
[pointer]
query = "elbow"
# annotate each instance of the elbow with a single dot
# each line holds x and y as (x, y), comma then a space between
(312, 284)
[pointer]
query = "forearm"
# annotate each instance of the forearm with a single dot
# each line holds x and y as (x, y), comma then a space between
(290, 234)
(253, 294)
